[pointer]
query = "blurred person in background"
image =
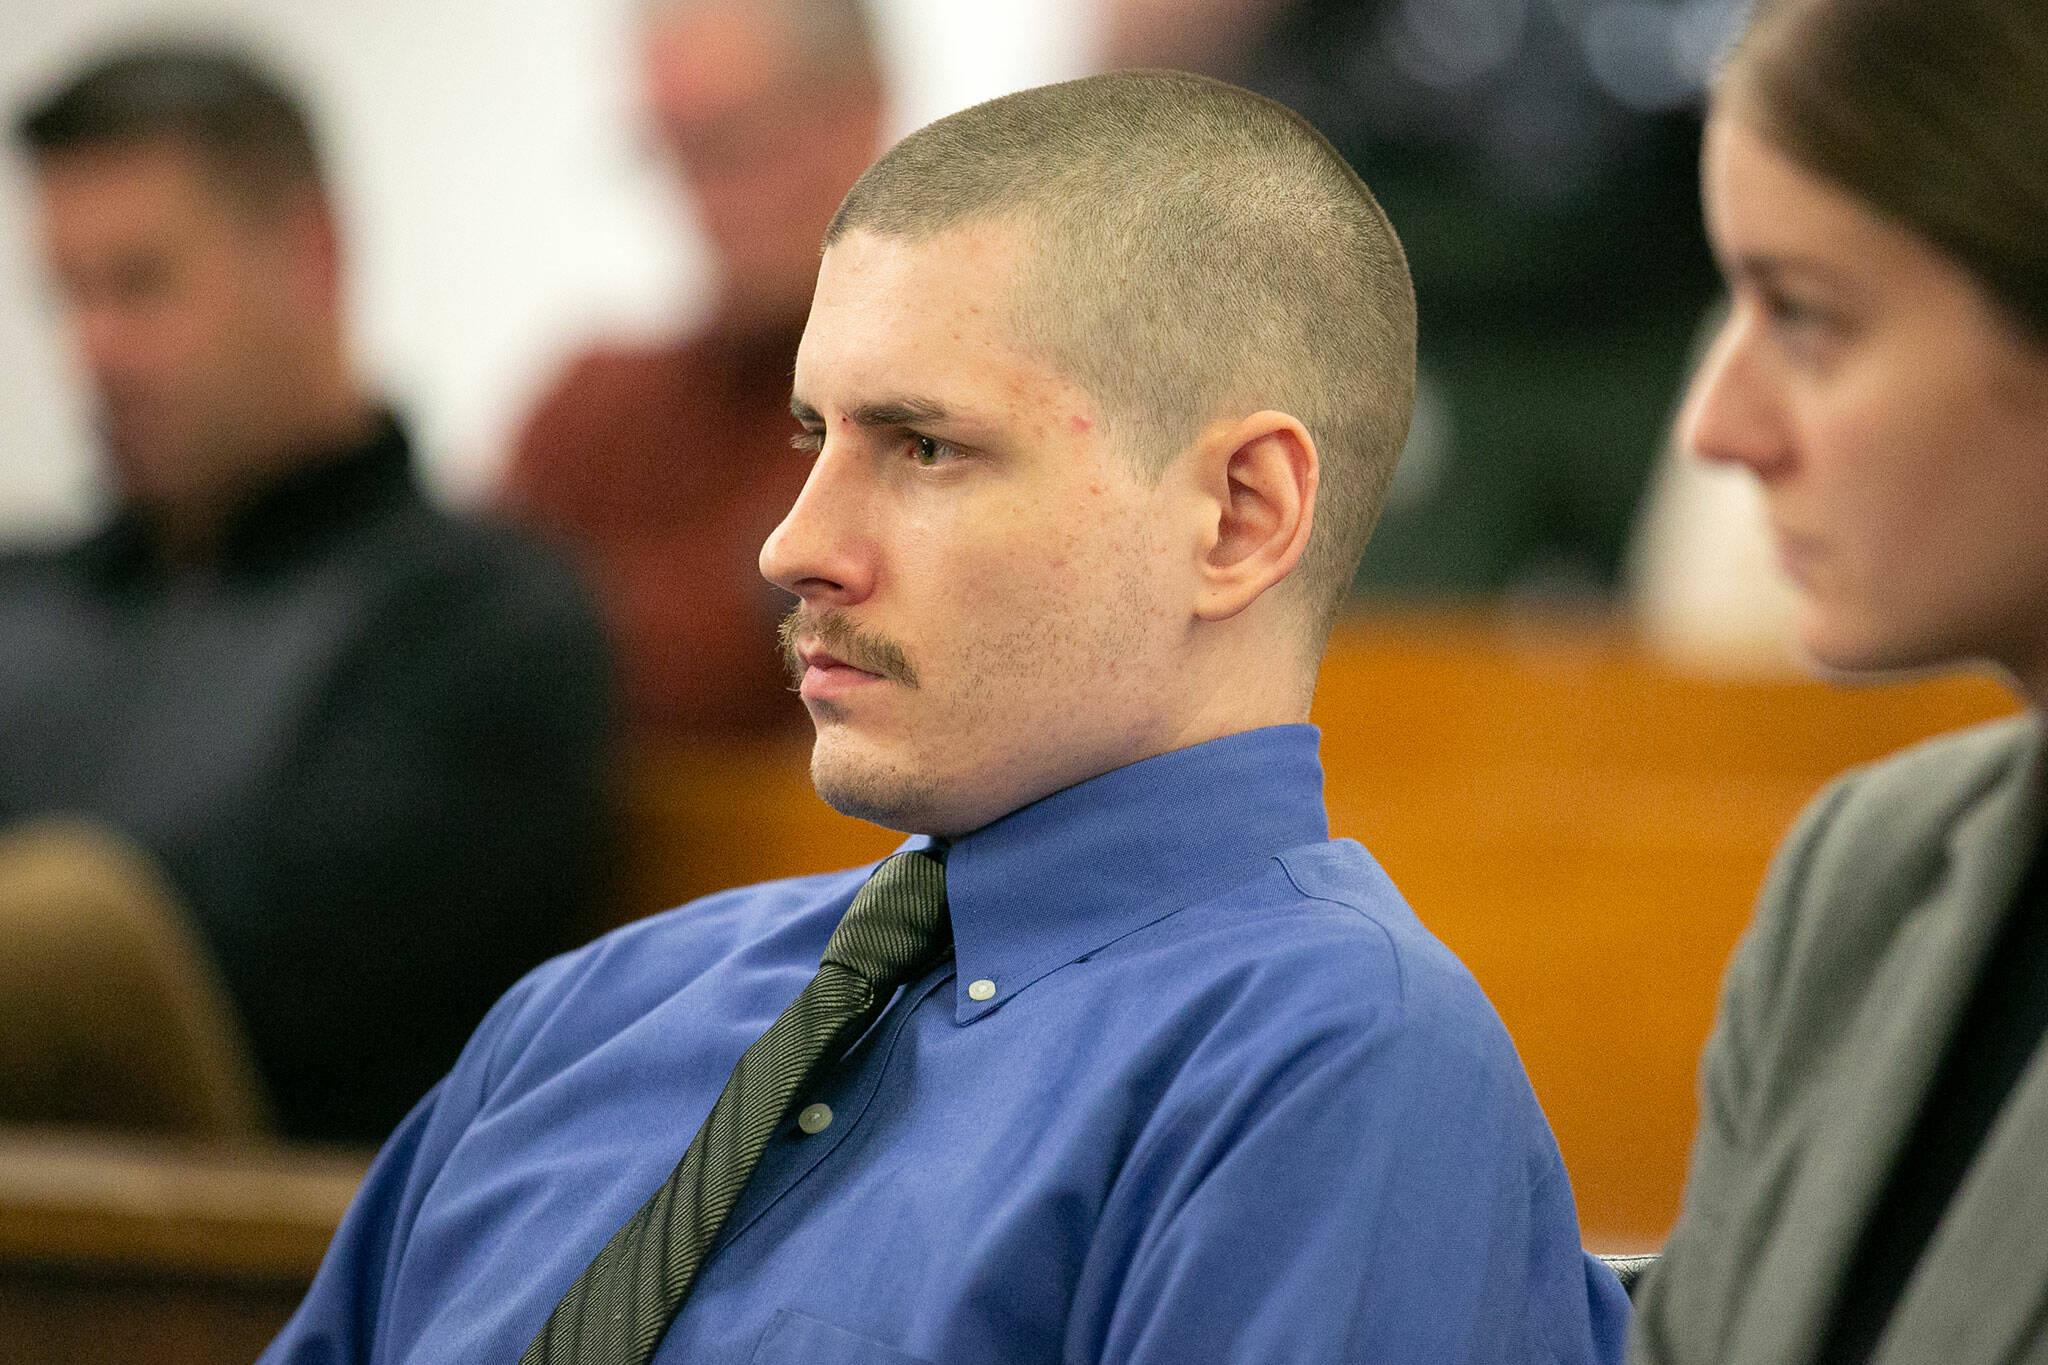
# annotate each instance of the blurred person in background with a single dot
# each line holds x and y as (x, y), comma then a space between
(1540, 160)
(298, 773)
(664, 467)
(1866, 1179)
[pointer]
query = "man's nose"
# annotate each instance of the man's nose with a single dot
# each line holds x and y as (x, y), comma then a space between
(824, 550)
(1733, 413)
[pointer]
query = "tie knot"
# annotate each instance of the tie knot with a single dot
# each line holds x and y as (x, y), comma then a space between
(896, 924)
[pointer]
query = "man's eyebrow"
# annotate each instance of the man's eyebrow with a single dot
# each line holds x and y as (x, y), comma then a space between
(888, 412)
(899, 412)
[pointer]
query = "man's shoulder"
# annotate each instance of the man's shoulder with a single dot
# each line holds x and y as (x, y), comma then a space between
(1330, 934)
(1341, 875)
(622, 975)
(1317, 979)
(466, 562)
(40, 567)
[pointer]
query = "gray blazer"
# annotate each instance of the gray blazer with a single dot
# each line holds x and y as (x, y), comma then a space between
(1834, 1012)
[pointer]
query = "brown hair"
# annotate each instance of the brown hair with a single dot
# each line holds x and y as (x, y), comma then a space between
(246, 128)
(1934, 112)
(1198, 252)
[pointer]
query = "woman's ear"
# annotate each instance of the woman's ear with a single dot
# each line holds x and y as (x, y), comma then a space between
(1258, 479)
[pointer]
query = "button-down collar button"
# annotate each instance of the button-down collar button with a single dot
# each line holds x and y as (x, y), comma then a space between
(815, 1118)
(983, 989)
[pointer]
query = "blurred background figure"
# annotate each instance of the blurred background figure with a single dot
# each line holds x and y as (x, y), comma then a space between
(666, 465)
(299, 773)
(1539, 158)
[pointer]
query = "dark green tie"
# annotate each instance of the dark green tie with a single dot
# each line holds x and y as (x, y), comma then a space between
(622, 1303)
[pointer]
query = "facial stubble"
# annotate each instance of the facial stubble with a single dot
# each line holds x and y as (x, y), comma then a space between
(881, 793)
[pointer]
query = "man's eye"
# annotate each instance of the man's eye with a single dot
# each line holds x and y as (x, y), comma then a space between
(811, 442)
(928, 452)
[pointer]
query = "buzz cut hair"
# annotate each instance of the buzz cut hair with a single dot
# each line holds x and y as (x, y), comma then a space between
(247, 130)
(1195, 252)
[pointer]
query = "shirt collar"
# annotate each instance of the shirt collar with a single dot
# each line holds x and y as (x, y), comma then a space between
(1081, 868)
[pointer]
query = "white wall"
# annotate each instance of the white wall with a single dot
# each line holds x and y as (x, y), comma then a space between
(499, 205)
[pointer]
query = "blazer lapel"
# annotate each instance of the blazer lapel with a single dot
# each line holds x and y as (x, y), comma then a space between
(1981, 1284)
(1903, 1026)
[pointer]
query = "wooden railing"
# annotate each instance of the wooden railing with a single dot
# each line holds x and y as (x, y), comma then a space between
(131, 1249)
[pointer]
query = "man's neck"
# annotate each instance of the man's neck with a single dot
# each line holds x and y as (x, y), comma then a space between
(1248, 681)
(190, 535)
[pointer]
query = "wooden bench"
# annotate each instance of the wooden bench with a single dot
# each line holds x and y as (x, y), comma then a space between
(117, 1249)
(1585, 825)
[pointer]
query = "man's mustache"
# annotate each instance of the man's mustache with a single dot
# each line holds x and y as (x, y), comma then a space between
(835, 632)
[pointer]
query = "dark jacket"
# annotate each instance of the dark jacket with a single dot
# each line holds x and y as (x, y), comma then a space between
(368, 746)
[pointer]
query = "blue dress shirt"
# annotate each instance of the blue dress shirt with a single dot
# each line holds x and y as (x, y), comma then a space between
(1196, 1086)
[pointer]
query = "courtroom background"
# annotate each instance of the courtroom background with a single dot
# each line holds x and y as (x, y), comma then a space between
(1578, 809)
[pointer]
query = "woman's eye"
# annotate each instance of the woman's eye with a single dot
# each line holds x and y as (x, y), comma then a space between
(1804, 330)
(1791, 313)
(1796, 315)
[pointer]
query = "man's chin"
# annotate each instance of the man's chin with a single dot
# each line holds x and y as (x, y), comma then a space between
(872, 788)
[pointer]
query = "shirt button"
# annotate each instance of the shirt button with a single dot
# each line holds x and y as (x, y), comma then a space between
(983, 989)
(816, 1118)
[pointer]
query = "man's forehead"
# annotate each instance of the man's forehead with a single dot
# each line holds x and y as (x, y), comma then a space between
(884, 304)
(922, 331)
(132, 185)
(974, 263)
(161, 160)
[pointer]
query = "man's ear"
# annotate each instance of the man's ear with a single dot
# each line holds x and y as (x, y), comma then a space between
(1258, 481)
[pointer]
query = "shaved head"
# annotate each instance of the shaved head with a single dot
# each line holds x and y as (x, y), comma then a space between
(1199, 253)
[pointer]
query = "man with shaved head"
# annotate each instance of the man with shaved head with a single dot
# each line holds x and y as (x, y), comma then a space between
(1120, 1057)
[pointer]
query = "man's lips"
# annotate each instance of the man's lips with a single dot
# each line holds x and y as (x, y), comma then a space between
(826, 675)
(815, 657)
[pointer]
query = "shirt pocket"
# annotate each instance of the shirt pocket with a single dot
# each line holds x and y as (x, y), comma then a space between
(794, 1339)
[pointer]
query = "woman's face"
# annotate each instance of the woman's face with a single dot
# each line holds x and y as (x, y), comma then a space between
(1897, 421)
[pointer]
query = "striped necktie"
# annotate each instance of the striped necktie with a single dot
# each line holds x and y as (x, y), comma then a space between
(620, 1306)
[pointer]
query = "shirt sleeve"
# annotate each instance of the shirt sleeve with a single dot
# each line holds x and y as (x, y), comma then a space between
(1387, 1197)
(339, 1321)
